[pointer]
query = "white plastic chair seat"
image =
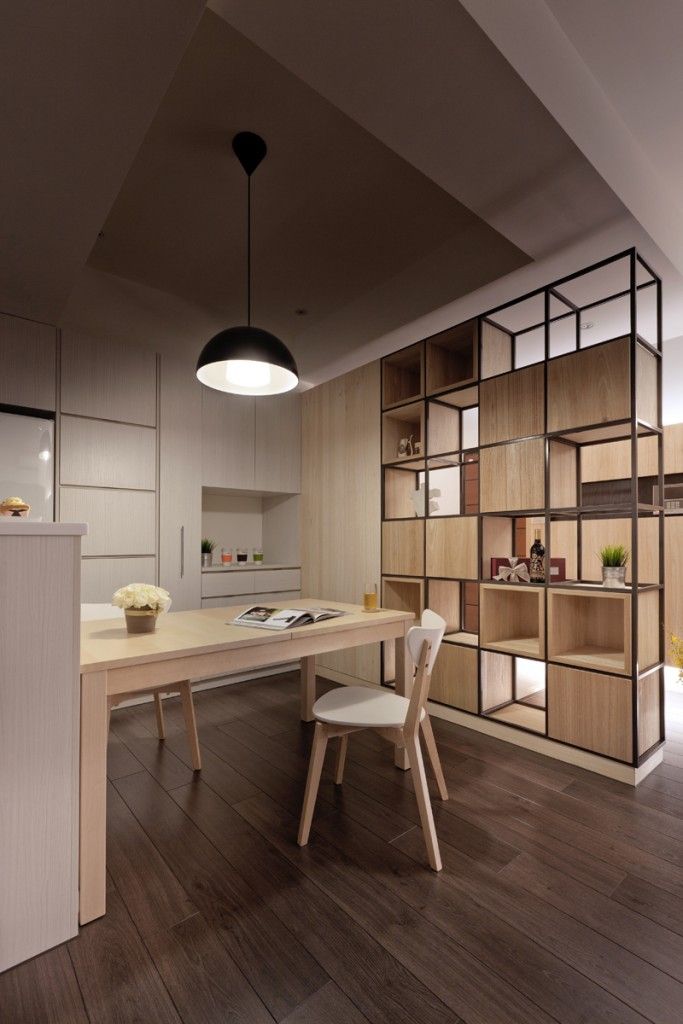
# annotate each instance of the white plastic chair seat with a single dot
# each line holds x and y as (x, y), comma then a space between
(362, 707)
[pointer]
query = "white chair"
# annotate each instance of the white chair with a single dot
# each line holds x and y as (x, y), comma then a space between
(398, 719)
(90, 612)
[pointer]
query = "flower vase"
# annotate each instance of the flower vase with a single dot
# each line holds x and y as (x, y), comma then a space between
(141, 620)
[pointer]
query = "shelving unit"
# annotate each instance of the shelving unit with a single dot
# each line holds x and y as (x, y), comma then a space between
(511, 411)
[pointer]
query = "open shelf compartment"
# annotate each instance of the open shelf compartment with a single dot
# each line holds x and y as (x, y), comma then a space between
(403, 376)
(402, 430)
(590, 630)
(452, 357)
(512, 619)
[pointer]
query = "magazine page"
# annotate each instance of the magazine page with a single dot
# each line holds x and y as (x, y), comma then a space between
(262, 617)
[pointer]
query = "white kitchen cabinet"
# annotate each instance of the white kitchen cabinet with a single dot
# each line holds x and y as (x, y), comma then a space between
(246, 599)
(277, 444)
(96, 453)
(180, 481)
(108, 380)
(109, 514)
(227, 440)
(28, 356)
(100, 577)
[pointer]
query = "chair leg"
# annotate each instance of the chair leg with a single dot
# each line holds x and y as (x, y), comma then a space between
(190, 724)
(159, 711)
(341, 760)
(433, 754)
(423, 802)
(315, 768)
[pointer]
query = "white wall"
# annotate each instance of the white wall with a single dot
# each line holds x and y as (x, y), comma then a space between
(232, 522)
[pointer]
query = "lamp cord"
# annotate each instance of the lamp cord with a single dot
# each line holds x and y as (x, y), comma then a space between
(248, 250)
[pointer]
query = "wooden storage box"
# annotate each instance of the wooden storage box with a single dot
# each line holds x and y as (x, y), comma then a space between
(452, 357)
(452, 547)
(512, 406)
(403, 548)
(590, 710)
(512, 476)
(512, 619)
(403, 376)
(454, 678)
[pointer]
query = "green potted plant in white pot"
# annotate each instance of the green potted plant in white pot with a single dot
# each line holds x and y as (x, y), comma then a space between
(614, 558)
(142, 603)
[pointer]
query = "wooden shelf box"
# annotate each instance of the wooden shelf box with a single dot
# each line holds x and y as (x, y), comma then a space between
(512, 619)
(402, 595)
(454, 678)
(512, 476)
(512, 406)
(403, 547)
(404, 422)
(400, 484)
(451, 357)
(443, 428)
(589, 387)
(496, 672)
(590, 630)
(452, 547)
(403, 376)
(590, 710)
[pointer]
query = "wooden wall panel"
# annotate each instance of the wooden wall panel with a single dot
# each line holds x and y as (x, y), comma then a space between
(454, 677)
(110, 515)
(512, 406)
(563, 467)
(277, 443)
(646, 386)
(613, 461)
(591, 710)
(100, 577)
(513, 476)
(590, 386)
(228, 426)
(452, 547)
(96, 453)
(340, 500)
(108, 380)
(496, 350)
(648, 629)
(28, 356)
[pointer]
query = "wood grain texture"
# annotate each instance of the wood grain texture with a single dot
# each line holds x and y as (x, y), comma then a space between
(445, 600)
(646, 386)
(39, 747)
(451, 357)
(452, 547)
(28, 353)
(180, 480)
(399, 487)
(591, 629)
(109, 514)
(590, 710)
(512, 476)
(612, 461)
(512, 618)
(590, 386)
(340, 518)
(496, 680)
(108, 381)
(404, 422)
(443, 428)
(563, 467)
(403, 547)
(403, 375)
(648, 629)
(100, 577)
(496, 350)
(454, 677)
(649, 727)
(95, 453)
(512, 406)
(673, 590)
(277, 444)
(228, 440)
(596, 533)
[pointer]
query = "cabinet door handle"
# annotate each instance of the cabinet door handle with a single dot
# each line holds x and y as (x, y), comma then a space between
(182, 551)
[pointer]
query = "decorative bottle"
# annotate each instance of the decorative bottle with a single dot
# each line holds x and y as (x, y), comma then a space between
(537, 555)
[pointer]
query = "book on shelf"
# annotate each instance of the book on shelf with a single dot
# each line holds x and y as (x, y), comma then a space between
(260, 617)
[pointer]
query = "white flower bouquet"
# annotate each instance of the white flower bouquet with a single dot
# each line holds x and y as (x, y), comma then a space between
(142, 597)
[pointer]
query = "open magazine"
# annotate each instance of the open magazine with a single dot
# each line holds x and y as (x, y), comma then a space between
(283, 618)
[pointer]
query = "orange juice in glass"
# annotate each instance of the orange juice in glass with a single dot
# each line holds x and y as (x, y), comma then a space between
(370, 597)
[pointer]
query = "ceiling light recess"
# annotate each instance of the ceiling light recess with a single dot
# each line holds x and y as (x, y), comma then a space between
(247, 360)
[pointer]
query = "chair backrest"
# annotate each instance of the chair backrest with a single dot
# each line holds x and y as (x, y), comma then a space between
(423, 644)
(100, 611)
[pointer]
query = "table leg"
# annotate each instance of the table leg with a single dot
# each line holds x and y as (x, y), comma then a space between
(93, 793)
(307, 688)
(404, 687)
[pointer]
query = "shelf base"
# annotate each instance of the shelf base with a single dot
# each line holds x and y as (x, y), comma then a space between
(521, 715)
(469, 639)
(523, 646)
(590, 656)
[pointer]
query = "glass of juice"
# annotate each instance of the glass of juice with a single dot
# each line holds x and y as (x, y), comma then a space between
(226, 556)
(241, 554)
(257, 555)
(370, 597)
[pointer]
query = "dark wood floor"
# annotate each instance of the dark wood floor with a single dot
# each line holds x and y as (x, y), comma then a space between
(561, 897)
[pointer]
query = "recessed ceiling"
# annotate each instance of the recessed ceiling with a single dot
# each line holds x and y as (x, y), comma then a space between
(337, 216)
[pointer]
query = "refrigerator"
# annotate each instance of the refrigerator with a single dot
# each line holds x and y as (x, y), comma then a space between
(27, 467)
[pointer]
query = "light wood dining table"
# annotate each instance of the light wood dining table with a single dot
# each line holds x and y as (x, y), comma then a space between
(197, 645)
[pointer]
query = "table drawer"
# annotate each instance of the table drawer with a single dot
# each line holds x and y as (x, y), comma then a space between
(269, 580)
(225, 584)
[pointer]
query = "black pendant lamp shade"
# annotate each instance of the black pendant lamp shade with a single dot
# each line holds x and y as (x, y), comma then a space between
(247, 360)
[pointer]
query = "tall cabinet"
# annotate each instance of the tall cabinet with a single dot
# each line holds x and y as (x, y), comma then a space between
(488, 430)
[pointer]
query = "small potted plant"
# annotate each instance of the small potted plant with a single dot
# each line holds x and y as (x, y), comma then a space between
(614, 558)
(207, 552)
(142, 603)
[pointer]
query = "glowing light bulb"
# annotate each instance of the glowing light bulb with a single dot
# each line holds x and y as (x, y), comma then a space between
(247, 374)
(44, 456)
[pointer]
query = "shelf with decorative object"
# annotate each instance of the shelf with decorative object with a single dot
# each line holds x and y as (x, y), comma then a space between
(522, 409)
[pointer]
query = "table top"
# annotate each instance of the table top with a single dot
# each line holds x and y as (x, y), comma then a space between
(106, 644)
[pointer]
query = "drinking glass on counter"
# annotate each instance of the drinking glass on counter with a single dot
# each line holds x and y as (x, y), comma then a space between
(370, 597)
(241, 554)
(226, 556)
(257, 555)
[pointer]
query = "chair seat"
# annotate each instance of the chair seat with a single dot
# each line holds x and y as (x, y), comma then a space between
(363, 707)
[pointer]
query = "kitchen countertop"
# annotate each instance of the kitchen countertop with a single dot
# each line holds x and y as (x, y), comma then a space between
(250, 567)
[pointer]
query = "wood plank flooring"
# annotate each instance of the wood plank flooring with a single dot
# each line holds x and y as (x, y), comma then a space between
(561, 898)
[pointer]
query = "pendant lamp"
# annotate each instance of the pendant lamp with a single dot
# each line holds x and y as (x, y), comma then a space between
(247, 360)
